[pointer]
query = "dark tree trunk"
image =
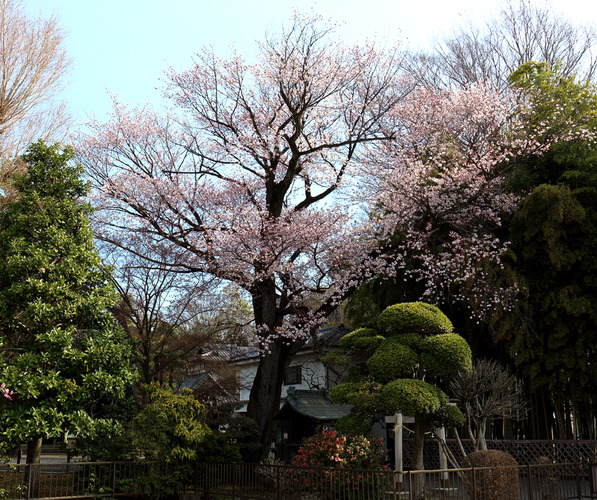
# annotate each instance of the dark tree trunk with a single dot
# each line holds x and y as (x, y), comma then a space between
(33, 472)
(419, 444)
(264, 401)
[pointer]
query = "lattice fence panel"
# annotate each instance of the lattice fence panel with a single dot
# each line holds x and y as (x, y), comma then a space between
(524, 452)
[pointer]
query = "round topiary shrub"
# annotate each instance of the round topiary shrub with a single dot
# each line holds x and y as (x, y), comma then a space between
(335, 358)
(392, 360)
(412, 397)
(445, 355)
(366, 339)
(363, 395)
(496, 475)
(413, 317)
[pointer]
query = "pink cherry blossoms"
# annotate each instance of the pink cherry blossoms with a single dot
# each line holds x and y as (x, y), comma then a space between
(265, 175)
(247, 184)
(7, 393)
(439, 185)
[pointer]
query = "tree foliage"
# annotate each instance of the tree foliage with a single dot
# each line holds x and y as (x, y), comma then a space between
(170, 427)
(551, 334)
(253, 183)
(399, 376)
(62, 353)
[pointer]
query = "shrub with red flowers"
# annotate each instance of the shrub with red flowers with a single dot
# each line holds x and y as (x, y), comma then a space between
(330, 449)
(359, 465)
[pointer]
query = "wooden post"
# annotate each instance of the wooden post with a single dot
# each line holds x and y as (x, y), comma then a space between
(443, 458)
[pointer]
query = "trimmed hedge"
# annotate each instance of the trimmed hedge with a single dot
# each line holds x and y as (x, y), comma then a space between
(413, 317)
(412, 397)
(365, 339)
(445, 355)
(392, 360)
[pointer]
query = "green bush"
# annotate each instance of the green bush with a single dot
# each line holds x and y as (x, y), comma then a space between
(218, 448)
(363, 395)
(449, 416)
(445, 355)
(354, 425)
(412, 397)
(412, 340)
(335, 358)
(170, 427)
(392, 360)
(413, 317)
(365, 339)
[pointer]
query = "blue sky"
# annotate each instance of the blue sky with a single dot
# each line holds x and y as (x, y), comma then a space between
(123, 46)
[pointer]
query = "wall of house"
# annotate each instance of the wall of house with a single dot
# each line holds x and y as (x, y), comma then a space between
(313, 376)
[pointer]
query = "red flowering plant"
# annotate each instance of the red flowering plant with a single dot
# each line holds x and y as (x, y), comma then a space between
(344, 465)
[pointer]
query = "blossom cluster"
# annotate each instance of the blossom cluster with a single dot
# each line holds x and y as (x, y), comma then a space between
(7, 393)
(330, 449)
(313, 171)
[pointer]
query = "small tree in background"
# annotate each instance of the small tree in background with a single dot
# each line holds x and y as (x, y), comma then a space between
(486, 392)
(403, 359)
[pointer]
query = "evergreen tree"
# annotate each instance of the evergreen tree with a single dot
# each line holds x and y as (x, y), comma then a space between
(399, 366)
(61, 352)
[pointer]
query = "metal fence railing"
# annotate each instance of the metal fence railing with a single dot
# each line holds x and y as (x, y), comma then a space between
(257, 482)
(69, 480)
(282, 482)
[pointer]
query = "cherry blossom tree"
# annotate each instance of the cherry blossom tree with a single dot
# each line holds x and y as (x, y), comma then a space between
(255, 181)
(246, 185)
(439, 191)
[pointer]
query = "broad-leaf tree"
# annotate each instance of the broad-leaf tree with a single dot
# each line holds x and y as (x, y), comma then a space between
(62, 355)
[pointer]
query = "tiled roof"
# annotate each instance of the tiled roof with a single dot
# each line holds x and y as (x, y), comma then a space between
(195, 380)
(312, 404)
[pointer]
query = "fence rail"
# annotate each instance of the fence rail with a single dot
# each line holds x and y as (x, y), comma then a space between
(278, 482)
(260, 482)
(71, 480)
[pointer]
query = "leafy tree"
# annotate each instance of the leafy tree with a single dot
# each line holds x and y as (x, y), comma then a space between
(170, 427)
(62, 354)
(552, 332)
(403, 360)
